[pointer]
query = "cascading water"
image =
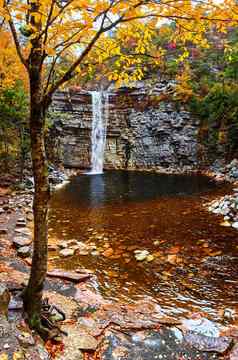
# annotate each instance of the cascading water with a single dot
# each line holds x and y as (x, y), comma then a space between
(100, 109)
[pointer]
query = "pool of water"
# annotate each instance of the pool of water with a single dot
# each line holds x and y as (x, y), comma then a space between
(194, 266)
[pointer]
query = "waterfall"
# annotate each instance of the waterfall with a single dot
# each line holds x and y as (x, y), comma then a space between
(100, 108)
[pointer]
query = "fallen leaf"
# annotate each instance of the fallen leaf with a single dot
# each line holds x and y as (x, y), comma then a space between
(109, 252)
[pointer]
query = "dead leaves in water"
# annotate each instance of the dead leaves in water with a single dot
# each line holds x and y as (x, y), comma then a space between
(108, 253)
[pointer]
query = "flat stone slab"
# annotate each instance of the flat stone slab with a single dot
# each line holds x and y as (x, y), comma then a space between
(20, 241)
(23, 231)
(68, 275)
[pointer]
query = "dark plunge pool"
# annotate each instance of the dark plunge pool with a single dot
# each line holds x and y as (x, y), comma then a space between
(191, 262)
(125, 186)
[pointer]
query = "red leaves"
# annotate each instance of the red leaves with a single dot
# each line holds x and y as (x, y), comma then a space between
(54, 348)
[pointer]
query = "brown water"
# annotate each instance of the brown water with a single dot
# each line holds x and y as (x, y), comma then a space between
(164, 214)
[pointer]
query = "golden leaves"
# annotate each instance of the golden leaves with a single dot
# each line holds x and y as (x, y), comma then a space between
(11, 68)
(183, 87)
(69, 29)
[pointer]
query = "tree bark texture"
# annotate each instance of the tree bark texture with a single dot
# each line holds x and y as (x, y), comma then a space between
(33, 294)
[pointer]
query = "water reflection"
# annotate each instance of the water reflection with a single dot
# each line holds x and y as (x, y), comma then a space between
(96, 190)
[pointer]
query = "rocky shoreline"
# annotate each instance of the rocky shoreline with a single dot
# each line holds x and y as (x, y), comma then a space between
(226, 206)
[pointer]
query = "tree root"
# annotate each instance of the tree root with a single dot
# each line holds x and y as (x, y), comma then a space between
(46, 324)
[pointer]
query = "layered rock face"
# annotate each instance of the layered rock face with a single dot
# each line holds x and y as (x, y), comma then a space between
(144, 131)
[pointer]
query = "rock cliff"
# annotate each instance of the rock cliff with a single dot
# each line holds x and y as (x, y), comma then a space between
(145, 131)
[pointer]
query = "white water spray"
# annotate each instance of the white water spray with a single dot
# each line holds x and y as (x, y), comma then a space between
(100, 107)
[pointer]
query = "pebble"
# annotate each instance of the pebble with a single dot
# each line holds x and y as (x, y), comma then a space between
(141, 255)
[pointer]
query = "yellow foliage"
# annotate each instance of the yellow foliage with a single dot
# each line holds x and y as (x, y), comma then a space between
(11, 69)
(116, 35)
(183, 89)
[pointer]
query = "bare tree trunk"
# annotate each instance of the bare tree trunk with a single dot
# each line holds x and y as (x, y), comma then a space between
(33, 292)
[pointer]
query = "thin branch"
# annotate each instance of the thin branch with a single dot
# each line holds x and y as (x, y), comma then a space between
(45, 30)
(16, 40)
(48, 21)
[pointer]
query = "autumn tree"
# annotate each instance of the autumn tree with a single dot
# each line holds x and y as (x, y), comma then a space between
(46, 31)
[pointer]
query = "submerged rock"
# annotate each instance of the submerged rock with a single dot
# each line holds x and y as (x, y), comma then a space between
(67, 252)
(69, 275)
